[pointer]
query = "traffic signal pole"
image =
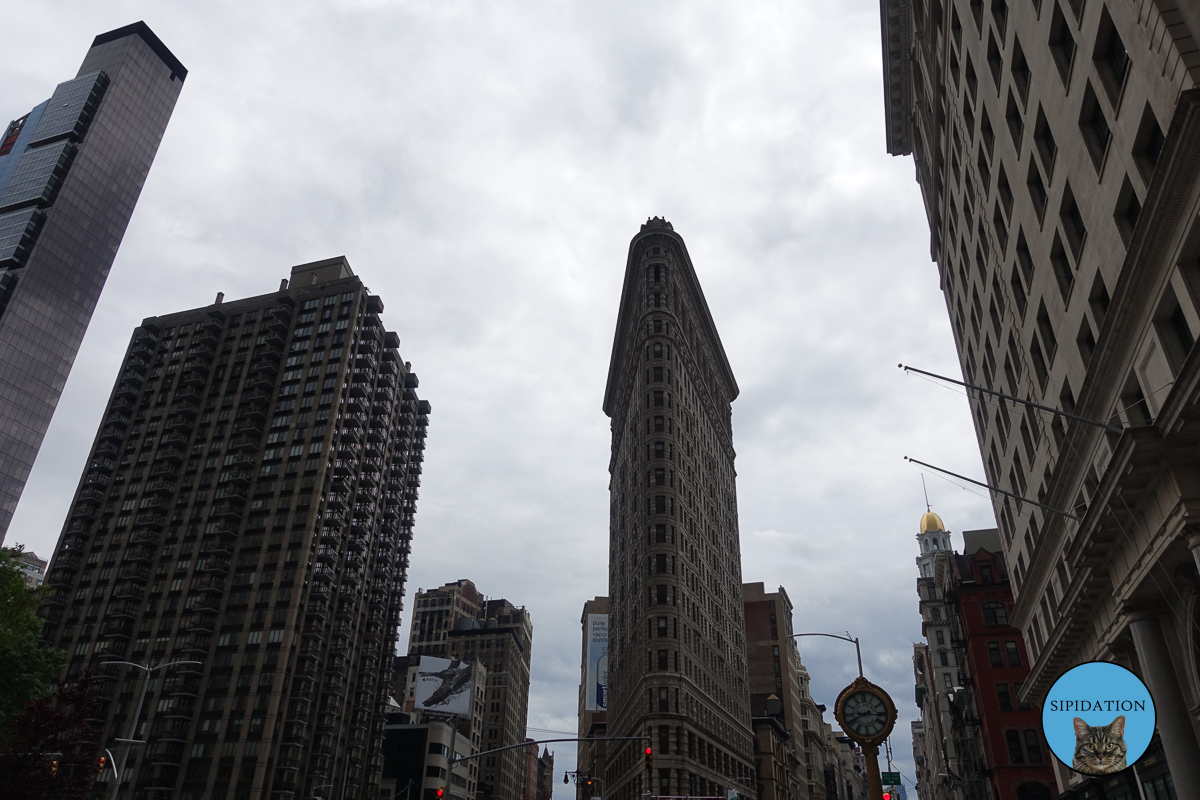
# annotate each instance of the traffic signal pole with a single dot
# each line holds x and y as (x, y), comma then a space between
(456, 758)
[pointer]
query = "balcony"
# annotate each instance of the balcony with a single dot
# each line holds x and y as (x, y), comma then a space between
(194, 378)
(129, 590)
(245, 444)
(239, 477)
(155, 521)
(216, 547)
(250, 428)
(199, 623)
(217, 565)
(180, 424)
(117, 628)
(211, 584)
(142, 554)
(222, 528)
(201, 351)
(184, 408)
(230, 511)
(134, 572)
(149, 537)
(128, 389)
(153, 502)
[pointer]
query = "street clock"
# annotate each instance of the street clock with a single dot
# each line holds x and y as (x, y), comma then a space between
(866, 713)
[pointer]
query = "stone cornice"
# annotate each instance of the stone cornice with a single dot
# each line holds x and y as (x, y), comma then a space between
(895, 22)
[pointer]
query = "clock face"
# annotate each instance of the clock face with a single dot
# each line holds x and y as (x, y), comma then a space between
(865, 713)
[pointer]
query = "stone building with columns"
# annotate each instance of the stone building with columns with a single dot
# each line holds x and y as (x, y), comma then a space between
(1057, 148)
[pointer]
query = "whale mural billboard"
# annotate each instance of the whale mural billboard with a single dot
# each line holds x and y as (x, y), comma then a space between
(443, 685)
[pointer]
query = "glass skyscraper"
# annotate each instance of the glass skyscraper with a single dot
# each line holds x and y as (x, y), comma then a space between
(71, 171)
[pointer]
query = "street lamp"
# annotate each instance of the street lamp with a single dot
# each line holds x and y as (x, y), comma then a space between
(330, 786)
(138, 713)
(846, 638)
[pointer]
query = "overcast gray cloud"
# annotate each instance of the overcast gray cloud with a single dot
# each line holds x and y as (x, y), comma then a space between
(483, 165)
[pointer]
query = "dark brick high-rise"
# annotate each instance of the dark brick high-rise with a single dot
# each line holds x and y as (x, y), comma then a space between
(248, 504)
(71, 171)
(677, 634)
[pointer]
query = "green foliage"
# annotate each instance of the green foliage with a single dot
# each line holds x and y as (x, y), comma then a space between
(27, 668)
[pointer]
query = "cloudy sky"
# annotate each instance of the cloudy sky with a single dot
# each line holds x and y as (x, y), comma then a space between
(483, 165)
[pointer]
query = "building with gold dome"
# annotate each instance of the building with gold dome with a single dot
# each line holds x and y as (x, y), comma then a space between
(974, 739)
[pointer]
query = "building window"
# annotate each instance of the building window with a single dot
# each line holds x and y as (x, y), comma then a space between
(661, 595)
(1015, 756)
(994, 654)
(660, 563)
(945, 658)
(935, 614)
(941, 637)
(1004, 697)
(1033, 747)
(662, 659)
(985, 573)
(664, 701)
(946, 680)
(1014, 655)
(662, 630)
(994, 614)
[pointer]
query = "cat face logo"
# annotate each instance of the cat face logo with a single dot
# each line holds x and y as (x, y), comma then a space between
(1099, 749)
(1081, 723)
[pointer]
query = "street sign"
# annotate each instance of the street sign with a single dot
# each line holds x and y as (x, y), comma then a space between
(891, 778)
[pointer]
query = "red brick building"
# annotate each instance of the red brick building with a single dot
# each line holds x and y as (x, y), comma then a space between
(996, 663)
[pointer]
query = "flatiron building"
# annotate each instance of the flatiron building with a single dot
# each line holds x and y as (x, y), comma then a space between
(677, 636)
(247, 505)
(71, 171)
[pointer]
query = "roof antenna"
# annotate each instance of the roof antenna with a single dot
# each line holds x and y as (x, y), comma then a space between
(926, 491)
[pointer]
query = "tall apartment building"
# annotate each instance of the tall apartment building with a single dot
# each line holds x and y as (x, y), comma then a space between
(677, 652)
(71, 171)
(1057, 146)
(247, 508)
(456, 621)
(778, 698)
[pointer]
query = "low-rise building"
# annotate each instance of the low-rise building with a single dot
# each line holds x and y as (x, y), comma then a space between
(34, 568)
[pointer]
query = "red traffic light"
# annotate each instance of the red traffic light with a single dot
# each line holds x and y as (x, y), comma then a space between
(441, 792)
(100, 765)
(887, 796)
(649, 751)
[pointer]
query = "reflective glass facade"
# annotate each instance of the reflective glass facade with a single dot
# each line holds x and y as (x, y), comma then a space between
(70, 174)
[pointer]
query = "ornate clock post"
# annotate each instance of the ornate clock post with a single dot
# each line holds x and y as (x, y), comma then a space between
(867, 714)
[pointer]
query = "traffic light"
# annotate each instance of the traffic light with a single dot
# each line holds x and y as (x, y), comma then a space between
(441, 792)
(100, 766)
(649, 756)
(53, 768)
(887, 796)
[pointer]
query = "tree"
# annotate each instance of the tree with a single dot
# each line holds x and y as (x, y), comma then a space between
(49, 751)
(27, 668)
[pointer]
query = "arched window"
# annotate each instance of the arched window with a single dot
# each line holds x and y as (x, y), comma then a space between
(658, 350)
(994, 614)
(935, 614)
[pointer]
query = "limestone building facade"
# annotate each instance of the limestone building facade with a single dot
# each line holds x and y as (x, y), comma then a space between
(1057, 147)
(677, 666)
(247, 508)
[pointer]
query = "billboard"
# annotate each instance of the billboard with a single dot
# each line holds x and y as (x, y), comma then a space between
(443, 685)
(596, 684)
